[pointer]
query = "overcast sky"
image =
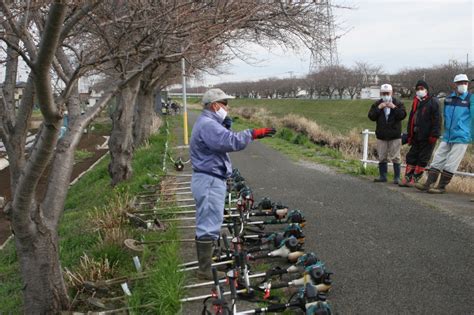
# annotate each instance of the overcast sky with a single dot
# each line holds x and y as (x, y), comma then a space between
(393, 33)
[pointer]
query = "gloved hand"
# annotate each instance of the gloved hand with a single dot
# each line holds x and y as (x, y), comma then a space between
(432, 140)
(227, 122)
(260, 133)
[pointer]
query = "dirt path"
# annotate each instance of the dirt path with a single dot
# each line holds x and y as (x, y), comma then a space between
(88, 142)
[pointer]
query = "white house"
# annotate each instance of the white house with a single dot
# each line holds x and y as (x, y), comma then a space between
(370, 93)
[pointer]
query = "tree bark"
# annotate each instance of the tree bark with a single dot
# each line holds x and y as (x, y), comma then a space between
(38, 254)
(121, 138)
(144, 115)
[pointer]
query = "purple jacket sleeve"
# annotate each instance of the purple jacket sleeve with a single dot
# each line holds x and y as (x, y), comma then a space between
(220, 139)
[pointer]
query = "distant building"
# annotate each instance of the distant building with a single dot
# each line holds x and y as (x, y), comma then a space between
(90, 98)
(370, 93)
(20, 87)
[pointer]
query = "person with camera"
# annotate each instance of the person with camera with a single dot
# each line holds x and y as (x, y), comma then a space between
(388, 113)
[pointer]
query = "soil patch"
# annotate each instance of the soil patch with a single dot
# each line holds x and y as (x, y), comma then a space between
(89, 142)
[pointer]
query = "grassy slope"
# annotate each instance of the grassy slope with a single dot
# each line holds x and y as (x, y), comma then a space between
(77, 237)
(337, 115)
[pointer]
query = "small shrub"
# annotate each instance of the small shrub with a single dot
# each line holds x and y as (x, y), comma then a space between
(301, 139)
(286, 134)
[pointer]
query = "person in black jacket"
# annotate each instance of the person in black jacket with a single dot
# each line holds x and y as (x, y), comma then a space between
(424, 129)
(388, 112)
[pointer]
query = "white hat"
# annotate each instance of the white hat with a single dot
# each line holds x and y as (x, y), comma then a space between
(460, 78)
(386, 88)
(214, 95)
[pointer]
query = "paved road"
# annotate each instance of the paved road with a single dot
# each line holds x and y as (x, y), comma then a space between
(390, 253)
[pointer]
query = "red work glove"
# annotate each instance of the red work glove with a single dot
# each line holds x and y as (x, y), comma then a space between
(260, 133)
(432, 140)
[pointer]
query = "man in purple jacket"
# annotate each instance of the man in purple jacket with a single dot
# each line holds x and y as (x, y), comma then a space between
(210, 144)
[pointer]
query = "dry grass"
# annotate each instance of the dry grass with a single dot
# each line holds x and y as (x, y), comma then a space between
(112, 215)
(90, 269)
(110, 220)
(462, 184)
(350, 145)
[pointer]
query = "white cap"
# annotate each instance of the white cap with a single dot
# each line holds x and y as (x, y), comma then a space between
(214, 95)
(386, 88)
(460, 78)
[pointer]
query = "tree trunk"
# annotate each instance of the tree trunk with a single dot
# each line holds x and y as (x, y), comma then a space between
(38, 254)
(144, 116)
(121, 137)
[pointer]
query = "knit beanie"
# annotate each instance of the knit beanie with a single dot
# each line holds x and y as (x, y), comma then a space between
(422, 83)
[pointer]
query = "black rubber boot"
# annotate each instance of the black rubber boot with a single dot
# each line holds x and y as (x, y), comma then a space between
(204, 254)
(433, 175)
(382, 173)
(443, 182)
(396, 173)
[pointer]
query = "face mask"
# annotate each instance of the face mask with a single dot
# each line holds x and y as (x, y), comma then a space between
(387, 98)
(221, 113)
(462, 88)
(421, 93)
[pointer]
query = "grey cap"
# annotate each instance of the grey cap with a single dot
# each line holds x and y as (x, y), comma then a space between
(214, 95)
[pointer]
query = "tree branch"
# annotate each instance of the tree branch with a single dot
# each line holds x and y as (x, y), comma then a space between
(47, 50)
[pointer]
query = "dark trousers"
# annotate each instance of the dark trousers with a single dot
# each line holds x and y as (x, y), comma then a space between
(420, 153)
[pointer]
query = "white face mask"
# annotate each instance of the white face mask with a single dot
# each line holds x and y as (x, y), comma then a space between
(462, 88)
(421, 93)
(221, 113)
(387, 98)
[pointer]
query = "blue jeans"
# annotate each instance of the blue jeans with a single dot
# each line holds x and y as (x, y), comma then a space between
(209, 193)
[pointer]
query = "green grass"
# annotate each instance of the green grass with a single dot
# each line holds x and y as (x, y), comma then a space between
(163, 289)
(298, 147)
(93, 192)
(81, 155)
(101, 128)
(337, 115)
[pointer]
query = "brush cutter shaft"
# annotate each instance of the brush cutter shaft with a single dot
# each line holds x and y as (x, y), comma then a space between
(225, 262)
(270, 309)
(203, 284)
(176, 189)
(202, 297)
(224, 225)
(193, 218)
(195, 262)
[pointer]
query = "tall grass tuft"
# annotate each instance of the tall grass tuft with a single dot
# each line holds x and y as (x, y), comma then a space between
(90, 269)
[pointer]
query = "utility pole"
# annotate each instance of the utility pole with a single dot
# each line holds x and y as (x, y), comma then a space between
(185, 113)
